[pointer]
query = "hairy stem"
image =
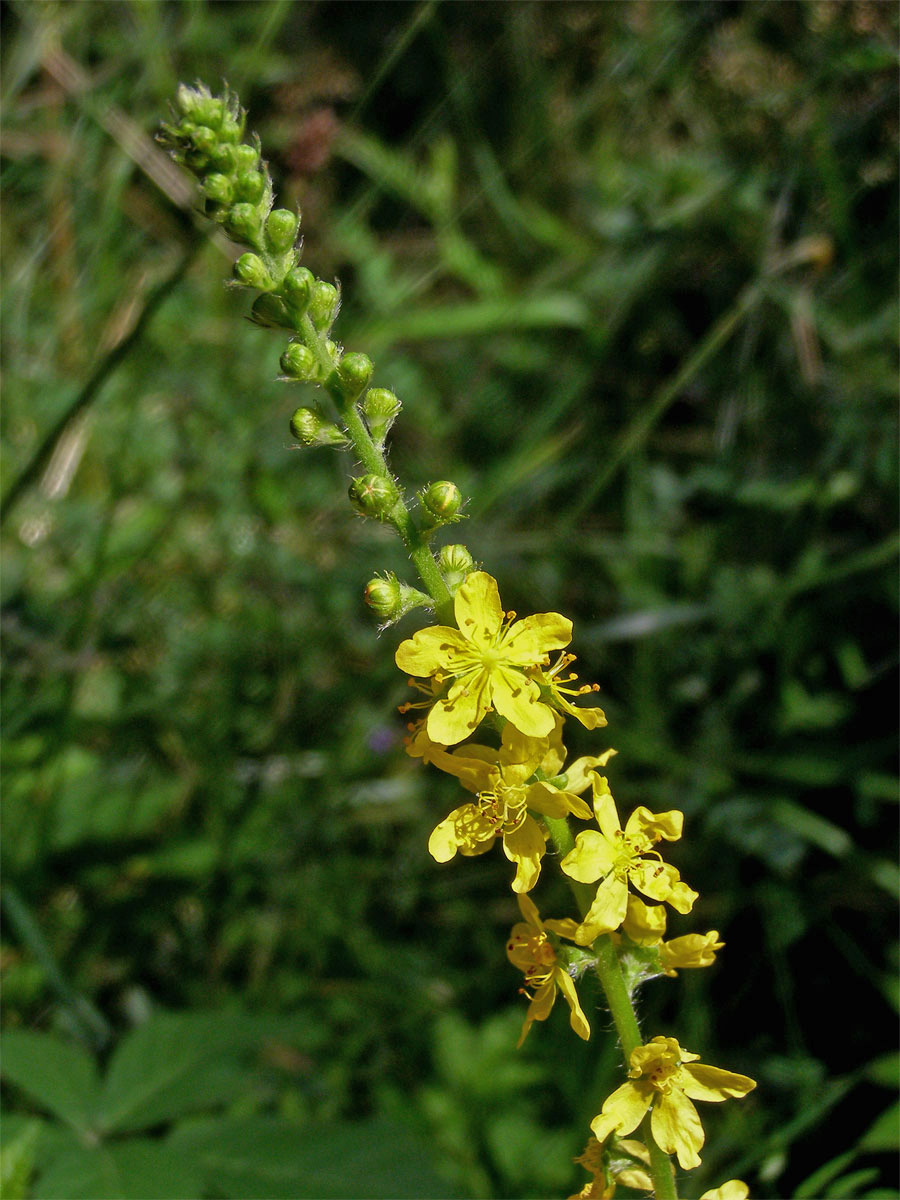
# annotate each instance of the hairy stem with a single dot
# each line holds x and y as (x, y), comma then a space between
(609, 972)
(373, 460)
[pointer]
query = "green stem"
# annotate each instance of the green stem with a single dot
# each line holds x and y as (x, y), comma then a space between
(618, 998)
(374, 462)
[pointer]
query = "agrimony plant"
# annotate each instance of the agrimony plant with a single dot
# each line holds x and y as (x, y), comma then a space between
(494, 695)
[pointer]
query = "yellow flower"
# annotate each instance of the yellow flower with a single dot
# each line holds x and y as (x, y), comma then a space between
(610, 1164)
(506, 788)
(559, 688)
(532, 952)
(692, 950)
(734, 1189)
(617, 857)
(666, 1079)
(645, 924)
(485, 662)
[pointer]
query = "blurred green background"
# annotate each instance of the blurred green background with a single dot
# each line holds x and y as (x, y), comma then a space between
(631, 267)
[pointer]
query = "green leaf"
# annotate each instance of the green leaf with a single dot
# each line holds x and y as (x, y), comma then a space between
(273, 1159)
(58, 1076)
(174, 1064)
(882, 1133)
(139, 1169)
(17, 1162)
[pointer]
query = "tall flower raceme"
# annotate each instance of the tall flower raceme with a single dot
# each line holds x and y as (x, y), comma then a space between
(496, 693)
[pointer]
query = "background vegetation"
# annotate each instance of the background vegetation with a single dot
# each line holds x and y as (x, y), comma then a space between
(632, 269)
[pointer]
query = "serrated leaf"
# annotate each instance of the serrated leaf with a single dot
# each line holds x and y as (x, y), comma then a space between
(273, 1159)
(138, 1169)
(58, 1076)
(172, 1065)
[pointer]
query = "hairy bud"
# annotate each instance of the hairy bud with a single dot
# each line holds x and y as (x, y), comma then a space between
(373, 496)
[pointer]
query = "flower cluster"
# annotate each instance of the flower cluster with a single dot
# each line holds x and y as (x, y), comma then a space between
(493, 673)
(495, 700)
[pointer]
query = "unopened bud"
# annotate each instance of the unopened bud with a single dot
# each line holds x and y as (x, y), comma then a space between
(442, 500)
(383, 596)
(249, 186)
(203, 143)
(222, 158)
(245, 157)
(311, 429)
(251, 270)
(455, 563)
(218, 189)
(231, 128)
(355, 371)
(380, 407)
(299, 362)
(390, 599)
(373, 496)
(297, 287)
(242, 223)
(281, 229)
(323, 303)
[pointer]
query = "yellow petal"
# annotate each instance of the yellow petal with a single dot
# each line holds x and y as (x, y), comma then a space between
(442, 845)
(591, 858)
(427, 651)
(453, 719)
(539, 1008)
(690, 951)
(644, 923)
(624, 1110)
(477, 607)
(607, 911)
(565, 927)
(578, 774)
(701, 1082)
(529, 641)
(676, 1128)
(517, 698)
(529, 911)
(577, 1019)
(654, 826)
(660, 881)
(733, 1189)
(551, 802)
(525, 847)
(605, 806)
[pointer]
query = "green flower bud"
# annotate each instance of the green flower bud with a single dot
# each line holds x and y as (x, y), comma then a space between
(204, 141)
(249, 186)
(297, 287)
(218, 189)
(251, 270)
(383, 595)
(230, 128)
(271, 312)
(323, 303)
(281, 229)
(455, 563)
(308, 427)
(442, 500)
(245, 157)
(355, 371)
(299, 362)
(389, 599)
(242, 223)
(199, 105)
(222, 158)
(380, 407)
(373, 496)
